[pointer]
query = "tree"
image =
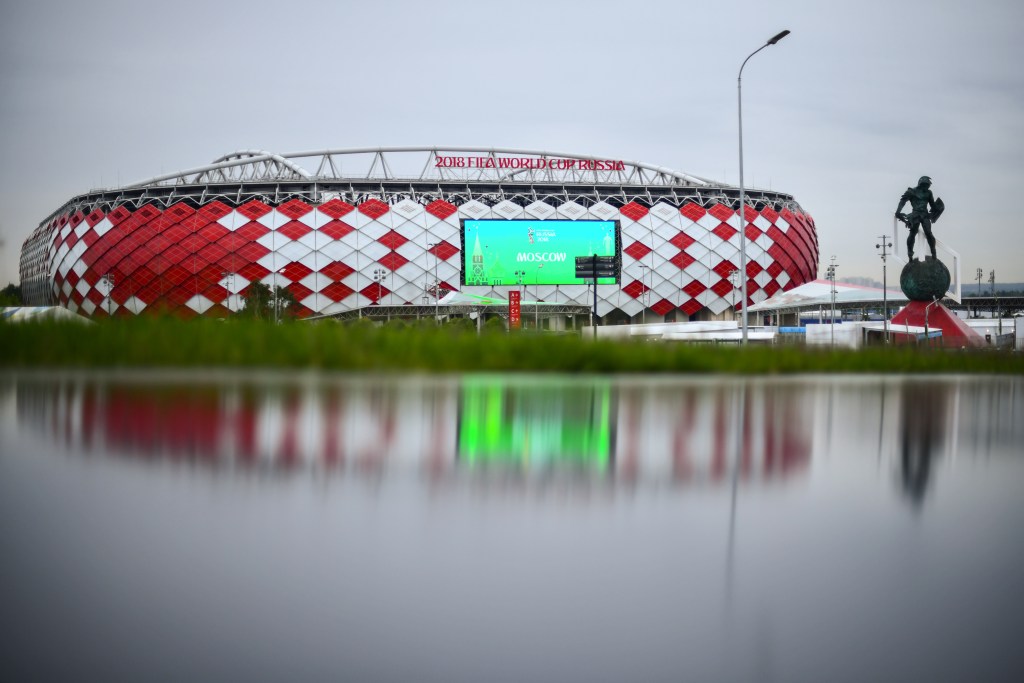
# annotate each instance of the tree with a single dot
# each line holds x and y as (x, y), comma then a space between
(11, 295)
(262, 303)
(256, 301)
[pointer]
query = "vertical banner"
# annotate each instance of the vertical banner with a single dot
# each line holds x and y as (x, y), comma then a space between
(513, 310)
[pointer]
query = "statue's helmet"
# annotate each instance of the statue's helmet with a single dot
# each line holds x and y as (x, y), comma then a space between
(925, 180)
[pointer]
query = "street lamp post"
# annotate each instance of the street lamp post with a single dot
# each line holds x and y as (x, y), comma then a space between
(643, 294)
(378, 277)
(734, 278)
(437, 287)
(108, 281)
(884, 244)
(743, 216)
(831, 275)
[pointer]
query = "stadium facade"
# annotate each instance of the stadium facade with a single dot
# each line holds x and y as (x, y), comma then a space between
(370, 229)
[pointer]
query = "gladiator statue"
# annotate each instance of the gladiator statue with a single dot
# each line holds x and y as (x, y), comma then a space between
(926, 210)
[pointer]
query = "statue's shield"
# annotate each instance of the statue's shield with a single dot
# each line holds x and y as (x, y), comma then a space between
(937, 208)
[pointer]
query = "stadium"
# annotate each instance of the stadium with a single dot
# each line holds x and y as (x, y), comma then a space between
(415, 230)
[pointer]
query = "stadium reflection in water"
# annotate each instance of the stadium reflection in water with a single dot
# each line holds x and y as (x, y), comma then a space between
(501, 528)
(625, 431)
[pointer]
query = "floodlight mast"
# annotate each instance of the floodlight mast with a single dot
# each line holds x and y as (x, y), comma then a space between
(743, 215)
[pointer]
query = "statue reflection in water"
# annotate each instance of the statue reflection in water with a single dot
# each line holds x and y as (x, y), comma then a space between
(925, 416)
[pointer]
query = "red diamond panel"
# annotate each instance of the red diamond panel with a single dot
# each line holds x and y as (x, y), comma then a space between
(725, 231)
(176, 275)
(299, 291)
(193, 243)
(215, 293)
(662, 307)
(336, 291)
(691, 307)
(694, 288)
(337, 271)
(771, 288)
(443, 250)
(723, 288)
(635, 289)
(232, 241)
(374, 208)
(179, 212)
(118, 215)
(393, 261)
(634, 211)
(724, 268)
(214, 211)
(721, 212)
(769, 214)
(392, 239)
(254, 209)
(78, 217)
(252, 231)
(213, 252)
(375, 291)
(294, 208)
(143, 276)
(213, 231)
(637, 250)
(753, 232)
(253, 251)
(336, 208)
(753, 268)
(295, 271)
(441, 209)
(336, 229)
(158, 244)
(682, 260)
(692, 211)
(253, 272)
(681, 241)
(94, 217)
(774, 269)
(146, 213)
(293, 230)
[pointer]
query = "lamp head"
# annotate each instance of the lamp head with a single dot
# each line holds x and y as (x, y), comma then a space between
(777, 37)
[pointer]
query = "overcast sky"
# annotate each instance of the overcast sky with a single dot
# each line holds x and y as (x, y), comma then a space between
(846, 113)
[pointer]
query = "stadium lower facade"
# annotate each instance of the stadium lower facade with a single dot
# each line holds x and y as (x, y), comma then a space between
(382, 228)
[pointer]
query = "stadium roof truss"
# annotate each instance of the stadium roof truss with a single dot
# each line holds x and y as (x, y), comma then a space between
(423, 174)
(426, 164)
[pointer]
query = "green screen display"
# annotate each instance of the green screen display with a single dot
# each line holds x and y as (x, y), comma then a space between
(533, 252)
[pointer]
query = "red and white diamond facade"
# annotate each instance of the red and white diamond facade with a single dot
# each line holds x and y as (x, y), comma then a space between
(192, 242)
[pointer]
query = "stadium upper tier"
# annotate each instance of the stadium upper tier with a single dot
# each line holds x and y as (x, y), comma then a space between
(382, 227)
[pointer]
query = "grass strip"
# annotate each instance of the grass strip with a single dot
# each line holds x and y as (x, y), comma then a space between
(171, 343)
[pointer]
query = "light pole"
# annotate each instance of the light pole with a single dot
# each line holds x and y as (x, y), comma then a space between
(743, 216)
(437, 286)
(734, 278)
(108, 281)
(229, 284)
(643, 292)
(995, 310)
(885, 244)
(831, 275)
(378, 277)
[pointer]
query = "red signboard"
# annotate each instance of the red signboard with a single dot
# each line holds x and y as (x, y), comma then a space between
(513, 310)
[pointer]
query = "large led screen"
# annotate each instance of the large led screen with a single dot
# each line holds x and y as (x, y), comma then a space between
(533, 252)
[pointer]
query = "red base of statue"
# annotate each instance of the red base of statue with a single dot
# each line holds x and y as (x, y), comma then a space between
(955, 332)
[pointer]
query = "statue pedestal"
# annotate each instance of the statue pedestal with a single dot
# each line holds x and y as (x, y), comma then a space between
(935, 316)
